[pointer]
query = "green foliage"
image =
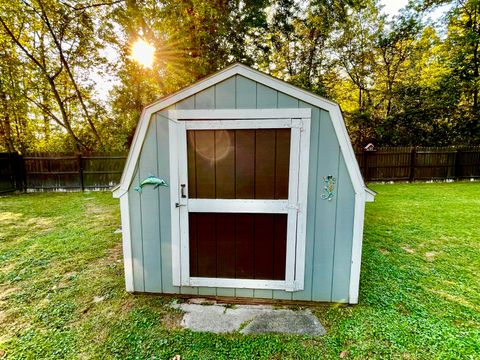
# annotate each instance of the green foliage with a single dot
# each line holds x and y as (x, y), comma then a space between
(393, 77)
(419, 292)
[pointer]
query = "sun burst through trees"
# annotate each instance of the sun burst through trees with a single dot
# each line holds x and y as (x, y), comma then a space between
(143, 53)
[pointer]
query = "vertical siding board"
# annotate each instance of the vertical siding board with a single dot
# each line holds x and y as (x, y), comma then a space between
(192, 245)
(263, 245)
(186, 104)
(188, 290)
(266, 97)
(205, 99)
(225, 94)
(207, 291)
(191, 164)
(205, 164)
(135, 213)
(244, 164)
(150, 212)
(206, 245)
(225, 292)
(248, 293)
(163, 160)
(343, 235)
(263, 294)
(328, 153)
(286, 101)
(225, 164)
(265, 163)
(306, 294)
(246, 93)
(244, 246)
(225, 233)
(279, 246)
(282, 163)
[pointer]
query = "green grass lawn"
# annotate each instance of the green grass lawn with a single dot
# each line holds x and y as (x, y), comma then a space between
(62, 293)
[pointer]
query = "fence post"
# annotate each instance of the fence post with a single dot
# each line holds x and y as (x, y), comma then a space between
(413, 160)
(17, 171)
(80, 170)
(22, 174)
(457, 167)
(365, 162)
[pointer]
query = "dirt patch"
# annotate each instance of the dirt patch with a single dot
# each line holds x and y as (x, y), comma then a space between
(171, 321)
(430, 256)
(127, 305)
(115, 253)
(384, 251)
(408, 249)
(5, 293)
(65, 281)
(454, 298)
(9, 217)
(40, 223)
(6, 268)
(97, 212)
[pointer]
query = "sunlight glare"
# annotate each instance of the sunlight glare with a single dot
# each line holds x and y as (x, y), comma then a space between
(143, 53)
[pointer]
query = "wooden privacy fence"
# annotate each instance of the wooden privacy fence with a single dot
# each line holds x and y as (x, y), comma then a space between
(97, 171)
(419, 163)
(62, 172)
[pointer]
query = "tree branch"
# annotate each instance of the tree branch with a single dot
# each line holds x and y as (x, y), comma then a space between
(84, 7)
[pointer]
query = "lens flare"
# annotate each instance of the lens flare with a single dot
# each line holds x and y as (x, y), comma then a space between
(143, 53)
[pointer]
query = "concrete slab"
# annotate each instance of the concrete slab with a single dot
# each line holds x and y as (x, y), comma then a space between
(285, 322)
(257, 319)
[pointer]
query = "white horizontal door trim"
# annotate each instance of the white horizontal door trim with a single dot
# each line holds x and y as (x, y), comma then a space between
(238, 206)
(240, 283)
(238, 124)
(219, 114)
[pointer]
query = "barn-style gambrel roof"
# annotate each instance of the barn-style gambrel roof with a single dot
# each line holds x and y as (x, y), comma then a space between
(267, 80)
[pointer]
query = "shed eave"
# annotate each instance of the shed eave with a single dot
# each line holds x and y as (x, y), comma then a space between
(369, 195)
(118, 192)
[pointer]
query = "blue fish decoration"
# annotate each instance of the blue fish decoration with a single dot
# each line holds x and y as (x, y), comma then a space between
(151, 180)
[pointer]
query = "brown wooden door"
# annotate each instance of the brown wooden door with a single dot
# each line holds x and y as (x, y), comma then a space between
(238, 190)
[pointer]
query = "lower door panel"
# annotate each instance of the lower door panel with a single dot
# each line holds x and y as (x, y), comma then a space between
(238, 246)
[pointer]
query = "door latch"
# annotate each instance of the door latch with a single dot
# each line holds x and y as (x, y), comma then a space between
(177, 205)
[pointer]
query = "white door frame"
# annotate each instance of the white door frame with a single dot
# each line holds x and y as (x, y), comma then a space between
(298, 120)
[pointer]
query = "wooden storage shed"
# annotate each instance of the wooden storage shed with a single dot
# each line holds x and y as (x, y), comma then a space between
(243, 185)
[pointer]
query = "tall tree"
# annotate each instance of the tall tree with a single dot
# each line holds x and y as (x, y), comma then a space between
(192, 39)
(56, 41)
(463, 40)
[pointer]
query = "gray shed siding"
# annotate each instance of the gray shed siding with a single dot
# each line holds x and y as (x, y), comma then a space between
(329, 223)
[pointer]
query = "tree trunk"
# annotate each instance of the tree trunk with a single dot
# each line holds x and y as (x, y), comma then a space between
(70, 75)
(6, 131)
(65, 120)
